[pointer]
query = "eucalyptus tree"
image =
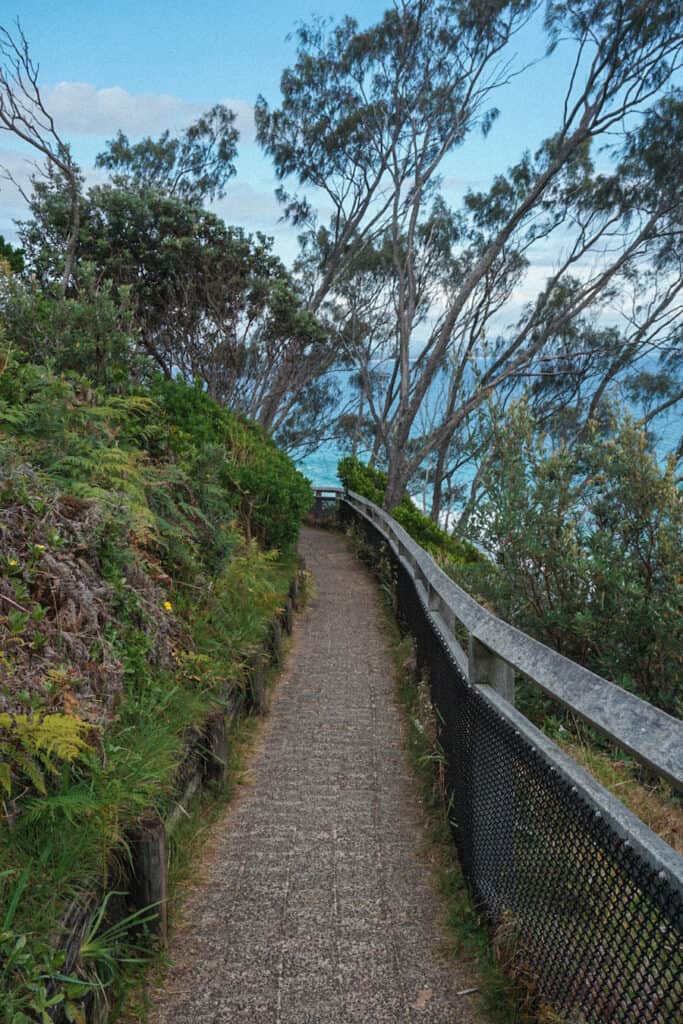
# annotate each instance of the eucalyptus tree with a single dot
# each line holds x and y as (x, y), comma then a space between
(194, 166)
(367, 119)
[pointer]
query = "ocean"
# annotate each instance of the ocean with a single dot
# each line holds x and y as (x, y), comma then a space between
(321, 466)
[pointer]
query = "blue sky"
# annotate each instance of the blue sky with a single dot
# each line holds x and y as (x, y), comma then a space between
(159, 63)
(196, 50)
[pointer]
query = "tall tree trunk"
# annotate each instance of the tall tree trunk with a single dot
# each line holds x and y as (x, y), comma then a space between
(376, 445)
(72, 240)
(359, 422)
(437, 489)
(397, 477)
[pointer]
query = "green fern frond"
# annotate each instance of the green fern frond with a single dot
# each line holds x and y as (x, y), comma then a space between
(33, 744)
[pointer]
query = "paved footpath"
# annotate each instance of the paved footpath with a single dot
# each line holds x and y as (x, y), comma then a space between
(314, 906)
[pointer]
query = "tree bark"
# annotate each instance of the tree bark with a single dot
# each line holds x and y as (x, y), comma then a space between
(72, 240)
(437, 494)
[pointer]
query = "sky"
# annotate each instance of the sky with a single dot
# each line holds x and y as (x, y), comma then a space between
(147, 65)
(154, 64)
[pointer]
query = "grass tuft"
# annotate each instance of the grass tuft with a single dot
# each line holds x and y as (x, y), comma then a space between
(501, 998)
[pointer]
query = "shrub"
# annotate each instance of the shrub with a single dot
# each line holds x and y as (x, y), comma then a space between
(371, 484)
(588, 544)
(268, 493)
(91, 334)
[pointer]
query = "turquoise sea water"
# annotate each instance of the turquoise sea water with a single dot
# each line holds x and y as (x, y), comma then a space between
(321, 466)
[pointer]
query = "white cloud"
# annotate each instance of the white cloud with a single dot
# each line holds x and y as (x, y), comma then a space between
(80, 108)
(257, 210)
(244, 204)
(12, 204)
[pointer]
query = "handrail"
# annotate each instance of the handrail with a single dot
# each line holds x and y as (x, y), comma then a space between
(652, 736)
(654, 850)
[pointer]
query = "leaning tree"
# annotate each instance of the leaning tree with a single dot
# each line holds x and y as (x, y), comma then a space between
(366, 122)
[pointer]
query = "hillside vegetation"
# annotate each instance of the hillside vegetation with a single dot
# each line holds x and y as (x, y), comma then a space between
(370, 483)
(146, 541)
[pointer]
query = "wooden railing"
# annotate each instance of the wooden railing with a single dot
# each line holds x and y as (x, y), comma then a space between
(593, 896)
(496, 651)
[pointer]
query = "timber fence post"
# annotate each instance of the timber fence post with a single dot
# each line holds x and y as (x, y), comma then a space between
(150, 877)
(487, 669)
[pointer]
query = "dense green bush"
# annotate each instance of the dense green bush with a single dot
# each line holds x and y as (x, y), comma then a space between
(371, 484)
(365, 480)
(269, 494)
(588, 546)
(91, 334)
(145, 544)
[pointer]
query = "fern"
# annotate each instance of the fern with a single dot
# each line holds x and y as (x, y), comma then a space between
(31, 745)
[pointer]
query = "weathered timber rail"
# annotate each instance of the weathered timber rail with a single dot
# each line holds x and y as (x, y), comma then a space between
(588, 896)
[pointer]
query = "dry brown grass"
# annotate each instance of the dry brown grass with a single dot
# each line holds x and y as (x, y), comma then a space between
(655, 804)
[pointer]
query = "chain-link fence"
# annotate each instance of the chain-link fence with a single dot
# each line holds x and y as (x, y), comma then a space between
(586, 900)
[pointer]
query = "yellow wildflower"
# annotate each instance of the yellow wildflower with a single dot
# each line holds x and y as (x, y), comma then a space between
(168, 606)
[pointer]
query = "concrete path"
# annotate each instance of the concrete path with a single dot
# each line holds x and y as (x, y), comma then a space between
(314, 906)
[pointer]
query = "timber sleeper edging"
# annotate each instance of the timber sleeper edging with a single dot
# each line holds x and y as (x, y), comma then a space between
(144, 883)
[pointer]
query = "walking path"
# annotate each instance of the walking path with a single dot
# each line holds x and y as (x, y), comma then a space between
(314, 906)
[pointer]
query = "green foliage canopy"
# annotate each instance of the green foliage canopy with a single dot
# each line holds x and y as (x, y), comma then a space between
(588, 547)
(194, 166)
(371, 483)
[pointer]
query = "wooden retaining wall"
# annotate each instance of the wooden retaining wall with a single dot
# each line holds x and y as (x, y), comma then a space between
(142, 882)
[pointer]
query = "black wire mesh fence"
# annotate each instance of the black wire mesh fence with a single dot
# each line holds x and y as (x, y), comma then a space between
(593, 921)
